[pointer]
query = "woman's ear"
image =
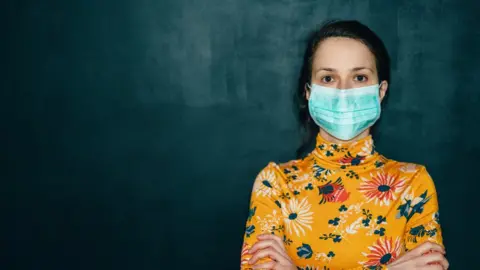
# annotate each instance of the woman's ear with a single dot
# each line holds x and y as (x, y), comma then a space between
(383, 89)
(307, 92)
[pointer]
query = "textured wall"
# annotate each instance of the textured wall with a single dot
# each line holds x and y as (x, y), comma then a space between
(134, 129)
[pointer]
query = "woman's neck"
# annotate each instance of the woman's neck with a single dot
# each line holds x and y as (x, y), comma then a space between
(329, 138)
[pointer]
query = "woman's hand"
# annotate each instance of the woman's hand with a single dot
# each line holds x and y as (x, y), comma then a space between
(427, 256)
(271, 246)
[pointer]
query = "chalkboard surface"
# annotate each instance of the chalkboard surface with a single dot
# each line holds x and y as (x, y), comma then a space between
(133, 130)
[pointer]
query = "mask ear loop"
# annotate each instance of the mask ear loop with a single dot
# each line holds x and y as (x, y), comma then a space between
(308, 87)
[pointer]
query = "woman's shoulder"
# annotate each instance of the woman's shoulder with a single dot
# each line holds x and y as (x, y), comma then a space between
(415, 174)
(403, 167)
(294, 165)
(284, 171)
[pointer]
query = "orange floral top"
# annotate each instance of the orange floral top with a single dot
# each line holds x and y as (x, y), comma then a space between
(344, 206)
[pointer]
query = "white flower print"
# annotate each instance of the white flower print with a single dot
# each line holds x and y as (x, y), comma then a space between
(269, 222)
(297, 216)
(366, 148)
(408, 195)
(322, 257)
(301, 182)
(353, 228)
(412, 204)
(409, 168)
(266, 184)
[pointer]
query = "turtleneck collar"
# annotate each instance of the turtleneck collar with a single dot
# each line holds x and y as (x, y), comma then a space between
(343, 155)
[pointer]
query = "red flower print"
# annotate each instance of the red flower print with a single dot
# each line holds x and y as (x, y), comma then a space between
(333, 192)
(382, 187)
(352, 160)
(383, 252)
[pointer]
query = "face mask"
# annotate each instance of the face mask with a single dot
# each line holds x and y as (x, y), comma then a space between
(344, 113)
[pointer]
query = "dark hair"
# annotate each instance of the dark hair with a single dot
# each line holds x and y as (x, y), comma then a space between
(335, 28)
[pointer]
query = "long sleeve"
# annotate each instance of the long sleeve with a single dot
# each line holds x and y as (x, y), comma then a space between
(265, 215)
(343, 206)
(420, 208)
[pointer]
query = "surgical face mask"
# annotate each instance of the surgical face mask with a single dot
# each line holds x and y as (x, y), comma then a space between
(345, 113)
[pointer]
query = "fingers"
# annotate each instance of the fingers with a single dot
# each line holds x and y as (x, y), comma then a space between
(420, 250)
(268, 265)
(433, 259)
(268, 252)
(433, 267)
(444, 263)
(271, 246)
(273, 237)
(264, 244)
(427, 247)
(428, 259)
(269, 240)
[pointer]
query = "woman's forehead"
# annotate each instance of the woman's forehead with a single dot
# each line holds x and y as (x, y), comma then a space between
(343, 53)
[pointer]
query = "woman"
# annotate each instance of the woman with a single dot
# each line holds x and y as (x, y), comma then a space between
(343, 206)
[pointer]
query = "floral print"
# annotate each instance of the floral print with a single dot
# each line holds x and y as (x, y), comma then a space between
(408, 168)
(266, 185)
(344, 206)
(412, 205)
(297, 216)
(244, 259)
(382, 188)
(349, 159)
(269, 223)
(333, 192)
(383, 252)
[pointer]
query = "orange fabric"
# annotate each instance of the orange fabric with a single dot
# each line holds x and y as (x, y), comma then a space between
(344, 206)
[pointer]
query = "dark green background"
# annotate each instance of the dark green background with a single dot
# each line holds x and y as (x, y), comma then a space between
(133, 129)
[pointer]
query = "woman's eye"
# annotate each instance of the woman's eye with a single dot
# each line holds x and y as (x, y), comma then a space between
(360, 78)
(327, 79)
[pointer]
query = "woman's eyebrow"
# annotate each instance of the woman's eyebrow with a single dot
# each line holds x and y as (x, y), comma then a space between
(334, 70)
(325, 69)
(360, 68)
